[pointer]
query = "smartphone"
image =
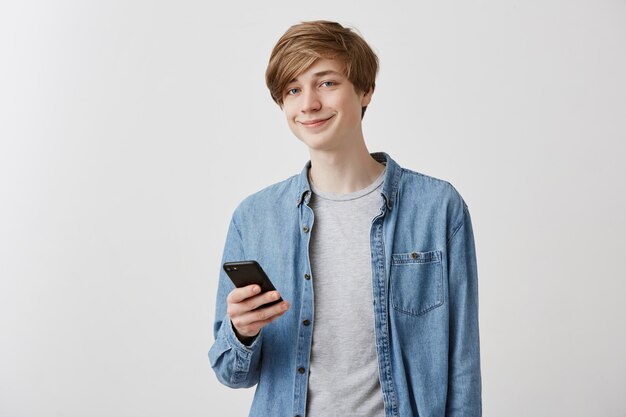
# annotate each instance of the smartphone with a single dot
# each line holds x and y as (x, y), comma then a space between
(244, 273)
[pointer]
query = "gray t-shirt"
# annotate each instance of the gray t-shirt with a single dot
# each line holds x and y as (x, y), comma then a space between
(343, 378)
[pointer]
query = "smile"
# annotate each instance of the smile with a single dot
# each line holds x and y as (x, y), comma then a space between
(315, 124)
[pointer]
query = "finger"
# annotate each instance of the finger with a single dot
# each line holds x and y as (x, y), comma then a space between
(255, 302)
(243, 321)
(256, 327)
(239, 294)
(249, 304)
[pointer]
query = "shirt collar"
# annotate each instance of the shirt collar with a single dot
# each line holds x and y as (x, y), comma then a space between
(390, 183)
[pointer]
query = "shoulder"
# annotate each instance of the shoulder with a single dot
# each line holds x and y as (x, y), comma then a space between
(436, 193)
(430, 187)
(273, 196)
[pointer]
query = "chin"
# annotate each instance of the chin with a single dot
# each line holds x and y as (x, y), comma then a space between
(320, 145)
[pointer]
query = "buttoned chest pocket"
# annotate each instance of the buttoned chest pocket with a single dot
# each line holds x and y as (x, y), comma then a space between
(416, 282)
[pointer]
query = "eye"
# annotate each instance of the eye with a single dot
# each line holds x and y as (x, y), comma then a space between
(292, 91)
(329, 82)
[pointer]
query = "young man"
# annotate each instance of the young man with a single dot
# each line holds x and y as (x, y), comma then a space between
(376, 263)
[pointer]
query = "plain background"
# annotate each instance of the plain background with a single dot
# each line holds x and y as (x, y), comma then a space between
(130, 130)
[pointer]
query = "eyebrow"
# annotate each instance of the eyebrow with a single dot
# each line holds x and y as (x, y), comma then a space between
(321, 74)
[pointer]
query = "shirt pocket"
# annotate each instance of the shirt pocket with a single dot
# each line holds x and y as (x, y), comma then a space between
(416, 282)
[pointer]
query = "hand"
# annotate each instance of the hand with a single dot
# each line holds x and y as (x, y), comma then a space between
(241, 302)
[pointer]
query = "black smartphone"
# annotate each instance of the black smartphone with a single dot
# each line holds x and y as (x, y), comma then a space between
(244, 273)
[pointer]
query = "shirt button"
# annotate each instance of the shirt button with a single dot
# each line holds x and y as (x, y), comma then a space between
(414, 255)
(305, 229)
(301, 370)
(306, 322)
(307, 276)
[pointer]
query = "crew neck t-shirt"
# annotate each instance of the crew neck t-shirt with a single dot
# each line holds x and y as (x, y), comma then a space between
(343, 371)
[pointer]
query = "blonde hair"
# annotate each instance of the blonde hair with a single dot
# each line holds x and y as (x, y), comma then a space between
(304, 43)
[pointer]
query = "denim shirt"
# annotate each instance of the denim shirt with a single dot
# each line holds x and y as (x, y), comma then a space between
(425, 292)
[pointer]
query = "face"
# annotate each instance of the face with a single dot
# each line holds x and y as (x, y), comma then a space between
(322, 107)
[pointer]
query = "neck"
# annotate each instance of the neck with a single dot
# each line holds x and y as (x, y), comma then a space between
(343, 170)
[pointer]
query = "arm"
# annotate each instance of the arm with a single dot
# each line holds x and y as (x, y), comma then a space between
(235, 364)
(464, 378)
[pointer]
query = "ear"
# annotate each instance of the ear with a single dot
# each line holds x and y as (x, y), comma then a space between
(367, 97)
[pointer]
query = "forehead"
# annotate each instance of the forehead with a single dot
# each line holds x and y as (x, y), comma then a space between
(321, 68)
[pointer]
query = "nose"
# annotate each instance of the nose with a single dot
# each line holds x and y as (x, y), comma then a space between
(310, 101)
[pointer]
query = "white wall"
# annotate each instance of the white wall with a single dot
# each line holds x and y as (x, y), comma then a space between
(129, 131)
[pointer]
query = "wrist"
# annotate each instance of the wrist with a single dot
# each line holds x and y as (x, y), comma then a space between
(246, 340)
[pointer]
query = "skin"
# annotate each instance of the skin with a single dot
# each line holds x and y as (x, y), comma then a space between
(248, 323)
(340, 163)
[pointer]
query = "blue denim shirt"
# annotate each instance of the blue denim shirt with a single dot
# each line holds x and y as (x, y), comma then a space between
(425, 291)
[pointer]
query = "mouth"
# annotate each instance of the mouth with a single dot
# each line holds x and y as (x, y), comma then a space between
(315, 123)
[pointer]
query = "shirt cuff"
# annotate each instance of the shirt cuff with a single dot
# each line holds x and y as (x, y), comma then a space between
(235, 343)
